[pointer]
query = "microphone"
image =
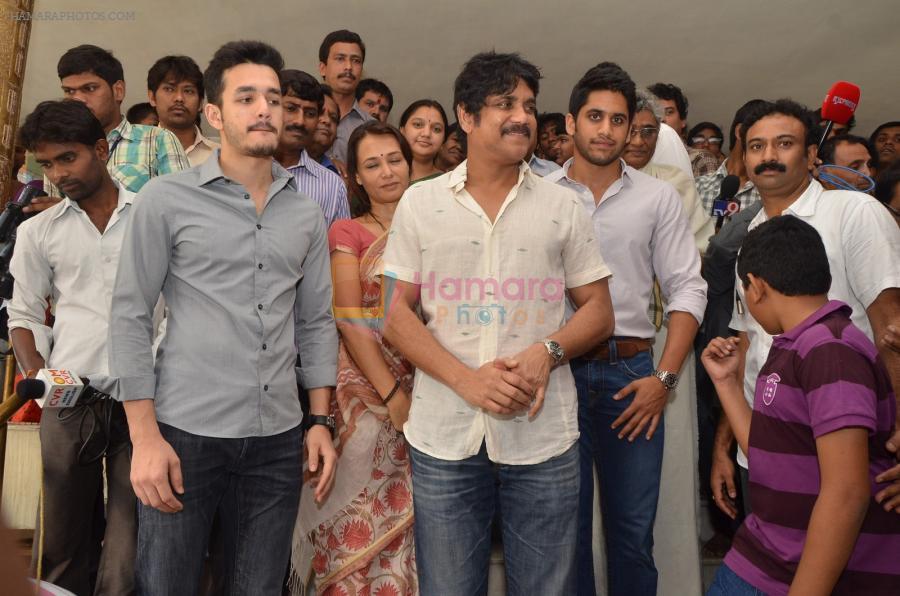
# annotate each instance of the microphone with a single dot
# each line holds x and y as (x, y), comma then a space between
(725, 205)
(12, 215)
(838, 106)
(26, 390)
(64, 389)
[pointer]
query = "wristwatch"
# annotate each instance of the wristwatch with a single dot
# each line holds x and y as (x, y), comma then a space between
(326, 421)
(555, 350)
(668, 379)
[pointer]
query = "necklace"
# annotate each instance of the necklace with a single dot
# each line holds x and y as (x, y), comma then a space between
(376, 220)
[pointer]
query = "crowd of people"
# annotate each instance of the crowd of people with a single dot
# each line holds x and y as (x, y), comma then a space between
(352, 356)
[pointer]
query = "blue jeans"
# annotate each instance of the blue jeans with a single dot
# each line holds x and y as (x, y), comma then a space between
(629, 475)
(455, 502)
(729, 583)
(254, 486)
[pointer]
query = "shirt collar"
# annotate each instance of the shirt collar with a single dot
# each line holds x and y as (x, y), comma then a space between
(305, 162)
(126, 197)
(199, 139)
(124, 131)
(210, 170)
(806, 203)
(830, 307)
(723, 171)
(456, 180)
(627, 176)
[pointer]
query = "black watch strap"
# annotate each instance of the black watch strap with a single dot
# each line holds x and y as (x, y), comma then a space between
(326, 421)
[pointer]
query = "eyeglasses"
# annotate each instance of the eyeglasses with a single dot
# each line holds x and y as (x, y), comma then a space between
(647, 132)
(710, 140)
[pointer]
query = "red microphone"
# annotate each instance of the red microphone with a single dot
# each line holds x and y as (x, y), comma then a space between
(839, 105)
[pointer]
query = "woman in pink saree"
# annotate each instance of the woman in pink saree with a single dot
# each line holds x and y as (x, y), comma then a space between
(359, 541)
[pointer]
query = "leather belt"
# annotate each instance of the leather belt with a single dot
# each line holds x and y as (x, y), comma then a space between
(626, 347)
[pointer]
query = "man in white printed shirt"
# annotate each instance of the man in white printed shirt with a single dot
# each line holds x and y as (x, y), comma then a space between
(488, 251)
(642, 231)
(70, 252)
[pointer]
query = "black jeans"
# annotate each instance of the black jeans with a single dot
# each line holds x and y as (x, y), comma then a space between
(254, 485)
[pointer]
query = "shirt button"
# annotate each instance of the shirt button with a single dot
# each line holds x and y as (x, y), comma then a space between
(265, 387)
(258, 227)
(259, 306)
(264, 346)
(246, 196)
(107, 259)
(260, 265)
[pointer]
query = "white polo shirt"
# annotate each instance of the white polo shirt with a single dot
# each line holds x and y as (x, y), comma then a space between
(863, 246)
(491, 290)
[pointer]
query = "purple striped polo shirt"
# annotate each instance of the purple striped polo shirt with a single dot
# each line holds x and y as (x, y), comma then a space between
(821, 376)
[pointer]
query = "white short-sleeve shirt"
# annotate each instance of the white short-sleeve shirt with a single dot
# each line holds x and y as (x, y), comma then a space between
(490, 290)
(863, 246)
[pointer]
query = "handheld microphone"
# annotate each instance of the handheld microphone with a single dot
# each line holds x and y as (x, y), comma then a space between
(839, 104)
(725, 205)
(12, 215)
(26, 390)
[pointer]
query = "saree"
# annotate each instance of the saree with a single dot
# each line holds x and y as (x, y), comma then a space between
(360, 540)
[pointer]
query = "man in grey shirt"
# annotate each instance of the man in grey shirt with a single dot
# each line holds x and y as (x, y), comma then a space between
(216, 426)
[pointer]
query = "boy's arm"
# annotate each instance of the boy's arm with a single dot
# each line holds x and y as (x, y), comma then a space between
(838, 513)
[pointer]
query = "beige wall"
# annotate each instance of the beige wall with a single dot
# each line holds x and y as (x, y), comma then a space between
(721, 52)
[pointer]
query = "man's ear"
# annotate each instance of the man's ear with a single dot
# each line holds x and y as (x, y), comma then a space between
(213, 115)
(570, 125)
(118, 89)
(322, 70)
(465, 119)
(812, 157)
(757, 289)
(101, 148)
(151, 97)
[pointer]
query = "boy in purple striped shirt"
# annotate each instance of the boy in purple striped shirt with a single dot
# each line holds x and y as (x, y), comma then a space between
(823, 410)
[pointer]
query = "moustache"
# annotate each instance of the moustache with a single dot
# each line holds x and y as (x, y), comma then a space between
(770, 165)
(298, 128)
(522, 129)
(347, 75)
(263, 126)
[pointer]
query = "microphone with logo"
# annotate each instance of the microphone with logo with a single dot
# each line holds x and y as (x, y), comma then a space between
(725, 205)
(58, 388)
(838, 107)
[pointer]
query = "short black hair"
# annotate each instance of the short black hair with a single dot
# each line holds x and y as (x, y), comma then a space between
(424, 103)
(303, 85)
(183, 68)
(784, 107)
(671, 92)
(230, 55)
(697, 128)
(340, 36)
(557, 119)
(892, 124)
(817, 117)
(826, 151)
(93, 59)
(606, 76)
(375, 86)
(886, 183)
(326, 90)
(456, 131)
(490, 73)
(64, 121)
(139, 111)
(788, 254)
(739, 117)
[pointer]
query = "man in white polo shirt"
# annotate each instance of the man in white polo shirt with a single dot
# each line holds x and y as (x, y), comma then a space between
(861, 240)
(489, 251)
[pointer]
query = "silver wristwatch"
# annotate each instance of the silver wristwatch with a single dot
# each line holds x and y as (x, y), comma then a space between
(555, 350)
(668, 379)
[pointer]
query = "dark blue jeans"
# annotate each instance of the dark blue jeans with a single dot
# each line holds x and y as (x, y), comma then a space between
(729, 583)
(455, 502)
(254, 485)
(629, 475)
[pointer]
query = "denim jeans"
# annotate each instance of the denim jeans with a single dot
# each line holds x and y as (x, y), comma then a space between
(455, 502)
(729, 583)
(629, 475)
(254, 485)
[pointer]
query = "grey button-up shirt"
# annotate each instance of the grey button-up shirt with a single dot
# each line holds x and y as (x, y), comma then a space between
(232, 284)
(346, 126)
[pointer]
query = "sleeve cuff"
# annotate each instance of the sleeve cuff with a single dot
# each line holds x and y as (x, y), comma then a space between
(406, 274)
(311, 377)
(135, 388)
(583, 278)
(840, 422)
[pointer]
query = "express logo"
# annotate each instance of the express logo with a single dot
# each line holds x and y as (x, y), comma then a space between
(770, 388)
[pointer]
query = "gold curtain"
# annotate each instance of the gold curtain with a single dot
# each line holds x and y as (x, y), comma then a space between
(15, 29)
